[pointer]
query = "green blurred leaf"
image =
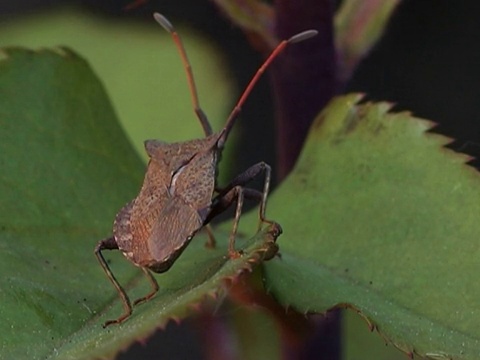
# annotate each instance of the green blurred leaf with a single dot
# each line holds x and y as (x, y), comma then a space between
(378, 216)
(140, 68)
(67, 167)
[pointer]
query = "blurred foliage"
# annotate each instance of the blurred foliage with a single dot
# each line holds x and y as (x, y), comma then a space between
(140, 68)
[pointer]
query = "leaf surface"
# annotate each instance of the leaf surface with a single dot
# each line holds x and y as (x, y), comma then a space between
(380, 217)
(140, 68)
(67, 167)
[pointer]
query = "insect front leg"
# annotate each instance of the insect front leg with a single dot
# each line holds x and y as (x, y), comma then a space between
(111, 244)
(236, 191)
(154, 284)
(223, 202)
(237, 194)
(211, 242)
(241, 180)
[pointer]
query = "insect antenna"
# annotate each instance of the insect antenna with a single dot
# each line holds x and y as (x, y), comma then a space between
(277, 51)
(167, 25)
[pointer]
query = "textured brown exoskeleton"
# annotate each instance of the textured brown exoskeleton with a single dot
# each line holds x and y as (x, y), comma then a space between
(179, 194)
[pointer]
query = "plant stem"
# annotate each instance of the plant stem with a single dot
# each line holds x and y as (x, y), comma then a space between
(304, 78)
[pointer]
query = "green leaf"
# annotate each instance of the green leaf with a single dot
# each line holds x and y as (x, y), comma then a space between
(358, 342)
(379, 217)
(140, 68)
(67, 167)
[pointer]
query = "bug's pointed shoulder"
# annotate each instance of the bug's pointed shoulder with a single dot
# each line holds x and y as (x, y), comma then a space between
(153, 147)
(201, 145)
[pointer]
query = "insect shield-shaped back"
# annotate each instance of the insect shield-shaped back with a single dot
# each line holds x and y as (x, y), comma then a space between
(154, 229)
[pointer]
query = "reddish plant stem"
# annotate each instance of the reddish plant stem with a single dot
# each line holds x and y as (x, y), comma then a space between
(304, 78)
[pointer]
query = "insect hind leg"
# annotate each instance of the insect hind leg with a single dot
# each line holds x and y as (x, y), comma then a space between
(111, 244)
(153, 283)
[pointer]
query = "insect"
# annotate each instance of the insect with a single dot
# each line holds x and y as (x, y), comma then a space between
(179, 195)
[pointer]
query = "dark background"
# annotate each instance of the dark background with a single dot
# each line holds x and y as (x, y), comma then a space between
(427, 62)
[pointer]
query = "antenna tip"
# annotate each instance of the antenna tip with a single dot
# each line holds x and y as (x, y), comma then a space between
(304, 35)
(162, 20)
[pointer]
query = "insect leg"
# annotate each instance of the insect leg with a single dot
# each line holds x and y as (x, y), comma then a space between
(154, 284)
(234, 194)
(242, 179)
(211, 242)
(110, 244)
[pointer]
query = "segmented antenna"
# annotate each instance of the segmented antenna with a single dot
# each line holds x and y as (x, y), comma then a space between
(277, 51)
(167, 25)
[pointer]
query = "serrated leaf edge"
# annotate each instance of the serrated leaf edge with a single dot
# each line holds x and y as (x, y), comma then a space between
(181, 311)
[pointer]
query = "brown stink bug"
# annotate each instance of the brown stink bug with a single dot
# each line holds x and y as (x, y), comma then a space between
(179, 195)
